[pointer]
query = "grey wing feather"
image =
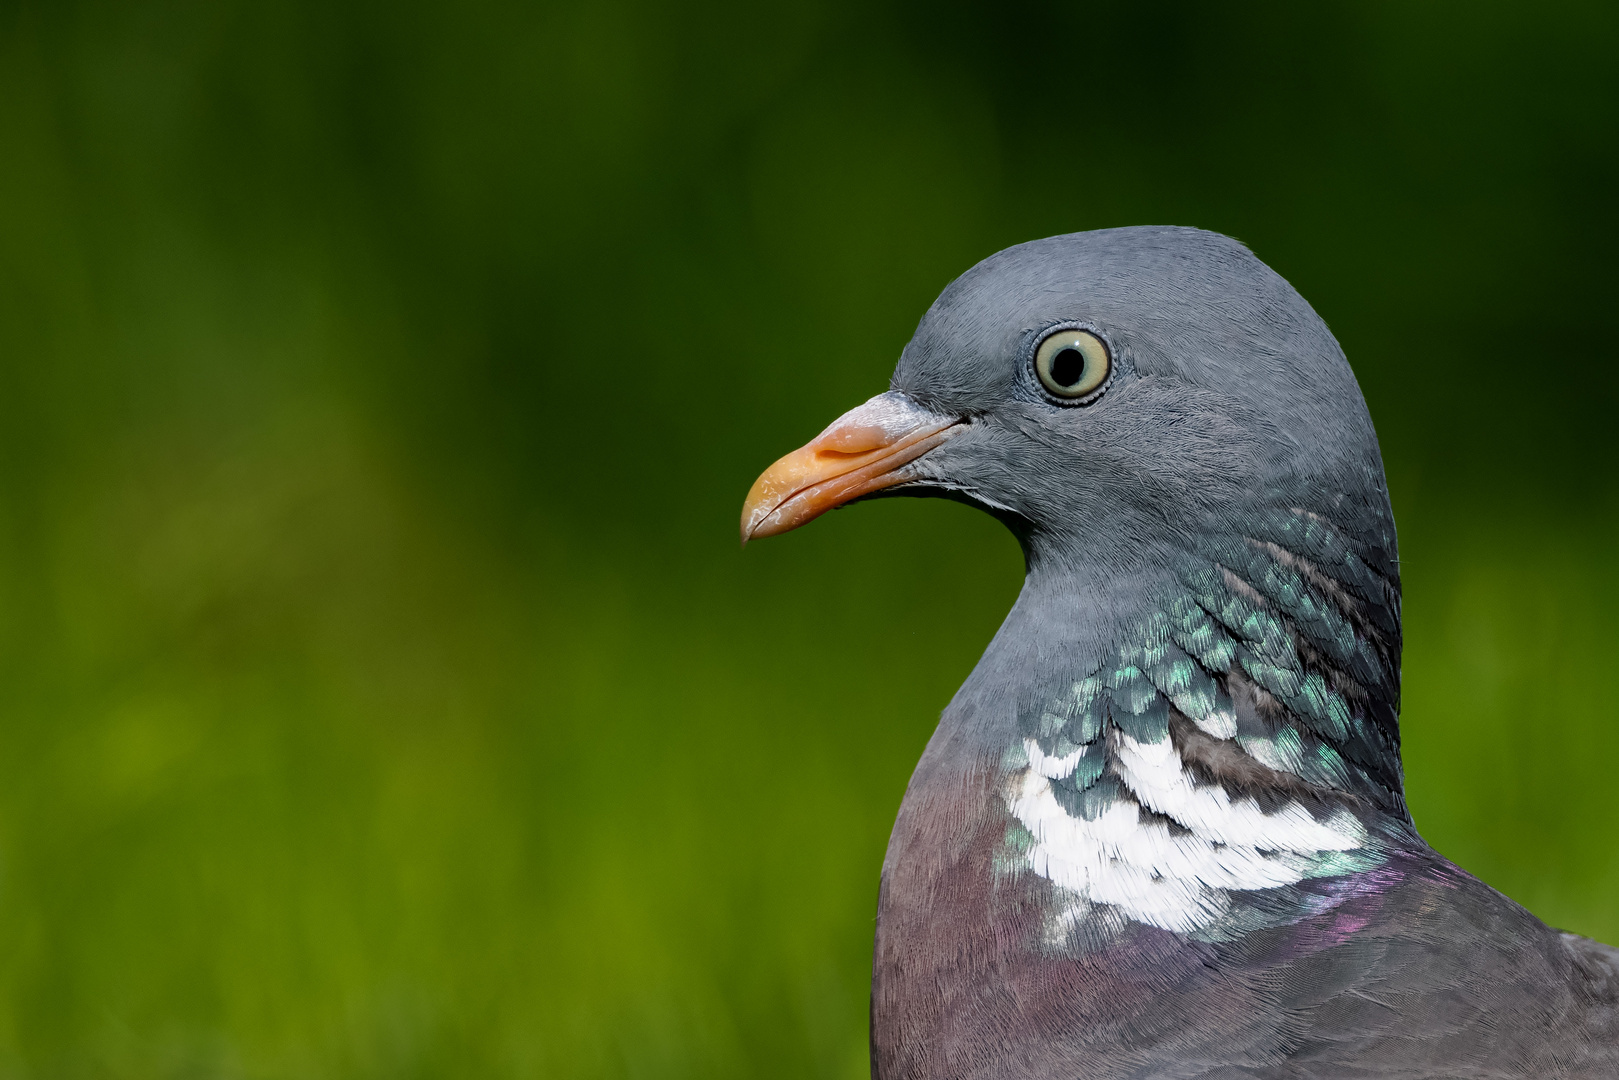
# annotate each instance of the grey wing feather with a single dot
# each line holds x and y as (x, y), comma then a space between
(1470, 988)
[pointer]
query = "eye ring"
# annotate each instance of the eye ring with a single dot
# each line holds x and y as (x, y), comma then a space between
(1073, 365)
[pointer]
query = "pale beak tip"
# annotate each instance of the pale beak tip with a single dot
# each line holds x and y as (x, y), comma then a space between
(751, 520)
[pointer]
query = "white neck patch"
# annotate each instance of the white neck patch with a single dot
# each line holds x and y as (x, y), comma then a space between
(1179, 882)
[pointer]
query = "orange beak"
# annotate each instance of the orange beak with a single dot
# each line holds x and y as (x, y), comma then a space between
(863, 451)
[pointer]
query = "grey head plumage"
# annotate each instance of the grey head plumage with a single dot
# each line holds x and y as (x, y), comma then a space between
(1227, 390)
(1183, 743)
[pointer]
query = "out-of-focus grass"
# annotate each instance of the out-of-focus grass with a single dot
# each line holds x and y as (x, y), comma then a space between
(382, 692)
(1510, 708)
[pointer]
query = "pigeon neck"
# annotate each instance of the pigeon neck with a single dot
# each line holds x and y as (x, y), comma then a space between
(1207, 744)
(1282, 635)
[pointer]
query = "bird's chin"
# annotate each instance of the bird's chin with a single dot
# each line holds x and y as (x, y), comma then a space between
(929, 487)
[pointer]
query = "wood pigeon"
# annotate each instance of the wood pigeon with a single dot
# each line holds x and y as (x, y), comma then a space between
(1161, 830)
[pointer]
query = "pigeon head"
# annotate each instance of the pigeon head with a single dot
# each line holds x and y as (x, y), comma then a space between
(1108, 395)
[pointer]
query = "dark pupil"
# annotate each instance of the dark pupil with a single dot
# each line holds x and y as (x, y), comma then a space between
(1067, 367)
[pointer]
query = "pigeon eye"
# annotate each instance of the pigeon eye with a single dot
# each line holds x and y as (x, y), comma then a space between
(1072, 364)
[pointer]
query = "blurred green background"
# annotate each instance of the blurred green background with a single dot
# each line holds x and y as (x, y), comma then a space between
(382, 691)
